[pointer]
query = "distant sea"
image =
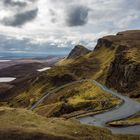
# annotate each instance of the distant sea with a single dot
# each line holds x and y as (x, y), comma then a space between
(20, 55)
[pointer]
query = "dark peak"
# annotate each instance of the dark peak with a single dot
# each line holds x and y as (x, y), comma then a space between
(79, 47)
(77, 51)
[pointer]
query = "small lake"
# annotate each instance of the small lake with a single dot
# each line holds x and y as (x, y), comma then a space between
(6, 79)
(5, 61)
(44, 69)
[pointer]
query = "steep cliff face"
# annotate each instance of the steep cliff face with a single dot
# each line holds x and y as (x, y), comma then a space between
(123, 74)
(124, 71)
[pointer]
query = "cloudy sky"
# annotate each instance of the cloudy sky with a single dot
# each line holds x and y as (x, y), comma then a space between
(41, 24)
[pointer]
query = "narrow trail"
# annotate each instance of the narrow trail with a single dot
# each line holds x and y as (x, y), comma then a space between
(128, 108)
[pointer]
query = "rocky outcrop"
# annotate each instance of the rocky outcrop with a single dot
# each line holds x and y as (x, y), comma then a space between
(78, 51)
(126, 38)
(123, 73)
(103, 42)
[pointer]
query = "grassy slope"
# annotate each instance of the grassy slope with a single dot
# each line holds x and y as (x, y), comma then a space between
(133, 120)
(77, 99)
(105, 56)
(133, 55)
(97, 66)
(45, 82)
(27, 97)
(22, 124)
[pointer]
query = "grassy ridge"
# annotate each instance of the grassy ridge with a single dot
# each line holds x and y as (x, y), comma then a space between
(80, 98)
(22, 124)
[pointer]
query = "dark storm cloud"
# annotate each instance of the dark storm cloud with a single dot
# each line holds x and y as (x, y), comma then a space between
(21, 18)
(14, 3)
(77, 16)
(18, 3)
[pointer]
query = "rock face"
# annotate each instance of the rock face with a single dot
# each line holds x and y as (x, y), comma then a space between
(123, 74)
(124, 71)
(78, 51)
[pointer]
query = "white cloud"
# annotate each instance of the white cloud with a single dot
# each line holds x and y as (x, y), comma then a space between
(56, 22)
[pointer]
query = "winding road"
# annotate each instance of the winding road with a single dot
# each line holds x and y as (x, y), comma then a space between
(128, 108)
